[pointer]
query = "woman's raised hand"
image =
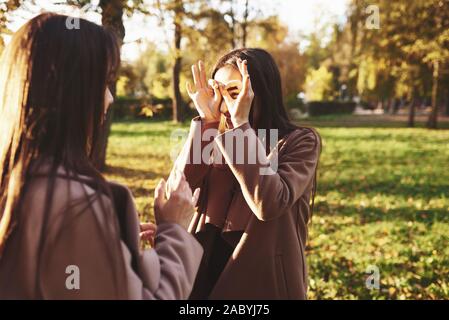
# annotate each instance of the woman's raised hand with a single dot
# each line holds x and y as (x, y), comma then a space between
(240, 107)
(180, 205)
(206, 95)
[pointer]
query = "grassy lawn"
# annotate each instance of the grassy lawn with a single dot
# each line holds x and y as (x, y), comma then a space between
(383, 200)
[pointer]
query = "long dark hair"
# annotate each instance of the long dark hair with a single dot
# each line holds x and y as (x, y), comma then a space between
(268, 110)
(53, 81)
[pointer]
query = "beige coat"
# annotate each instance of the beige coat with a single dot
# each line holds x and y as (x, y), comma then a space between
(110, 265)
(268, 213)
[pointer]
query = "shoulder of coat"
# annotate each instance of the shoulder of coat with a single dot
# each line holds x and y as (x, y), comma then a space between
(303, 134)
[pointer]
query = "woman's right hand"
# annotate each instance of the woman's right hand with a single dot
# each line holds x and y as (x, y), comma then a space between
(180, 205)
(206, 96)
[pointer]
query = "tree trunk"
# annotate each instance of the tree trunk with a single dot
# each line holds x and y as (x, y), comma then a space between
(432, 123)
(245, 24)
(411, 113)
(177, 103)
(112, 17)
(447, 103)
(233, 23)
(391, 106)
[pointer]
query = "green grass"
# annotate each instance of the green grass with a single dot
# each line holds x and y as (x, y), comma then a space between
(383, 200)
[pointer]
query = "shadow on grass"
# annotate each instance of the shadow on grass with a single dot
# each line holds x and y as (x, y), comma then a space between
(392, 137)
(143, 133)
(350, 189)
(151, 128)
(129, 173)
(371, 214)
(360, 121)
(380, 125)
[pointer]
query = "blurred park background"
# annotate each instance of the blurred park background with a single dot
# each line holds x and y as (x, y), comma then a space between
(371, 76)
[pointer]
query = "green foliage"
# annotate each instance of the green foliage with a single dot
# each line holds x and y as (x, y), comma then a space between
(318, 84)
(151, 74)
(367, 76)
(401, 54)
(155, 67)
(382, 200)
(131, 108)
(5, 8)
(147, 77)
(292, 67)
(397, 60)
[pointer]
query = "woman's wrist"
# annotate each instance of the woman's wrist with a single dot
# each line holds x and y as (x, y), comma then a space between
(209, 119)
(237, 122)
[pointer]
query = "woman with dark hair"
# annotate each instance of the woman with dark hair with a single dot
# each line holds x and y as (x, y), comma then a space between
(254, 206)
(66, 232)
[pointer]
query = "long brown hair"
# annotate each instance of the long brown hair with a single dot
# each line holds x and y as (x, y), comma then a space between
(268, 110)
(52, 90)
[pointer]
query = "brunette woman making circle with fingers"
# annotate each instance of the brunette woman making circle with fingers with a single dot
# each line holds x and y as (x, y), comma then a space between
(252, 216)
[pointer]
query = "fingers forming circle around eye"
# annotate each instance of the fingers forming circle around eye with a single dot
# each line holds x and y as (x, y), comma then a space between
(196, 77)
(245, 68)
(226, 96)
(202, 74)
(239, 65)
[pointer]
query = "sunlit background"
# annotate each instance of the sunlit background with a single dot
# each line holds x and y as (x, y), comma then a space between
(301, 17)
(371, 76)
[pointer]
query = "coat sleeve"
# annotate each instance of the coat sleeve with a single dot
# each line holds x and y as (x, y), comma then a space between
(271, 184)
(89, 248)
(170, 268)
(196, 153)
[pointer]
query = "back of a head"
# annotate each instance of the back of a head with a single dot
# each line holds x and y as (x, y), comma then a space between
(53, 80)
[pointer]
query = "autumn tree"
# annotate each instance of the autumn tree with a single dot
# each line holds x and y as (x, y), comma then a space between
(409, 48)
(5, 8)
(112, 14)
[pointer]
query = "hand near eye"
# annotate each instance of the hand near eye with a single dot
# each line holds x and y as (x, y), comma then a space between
(241, 106)
(207, 96)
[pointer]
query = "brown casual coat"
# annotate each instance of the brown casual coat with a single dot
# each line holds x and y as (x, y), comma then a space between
(268, 213)
(107, 253)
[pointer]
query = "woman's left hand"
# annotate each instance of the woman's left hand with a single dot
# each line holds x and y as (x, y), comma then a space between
(148, 232)
(241, 106)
